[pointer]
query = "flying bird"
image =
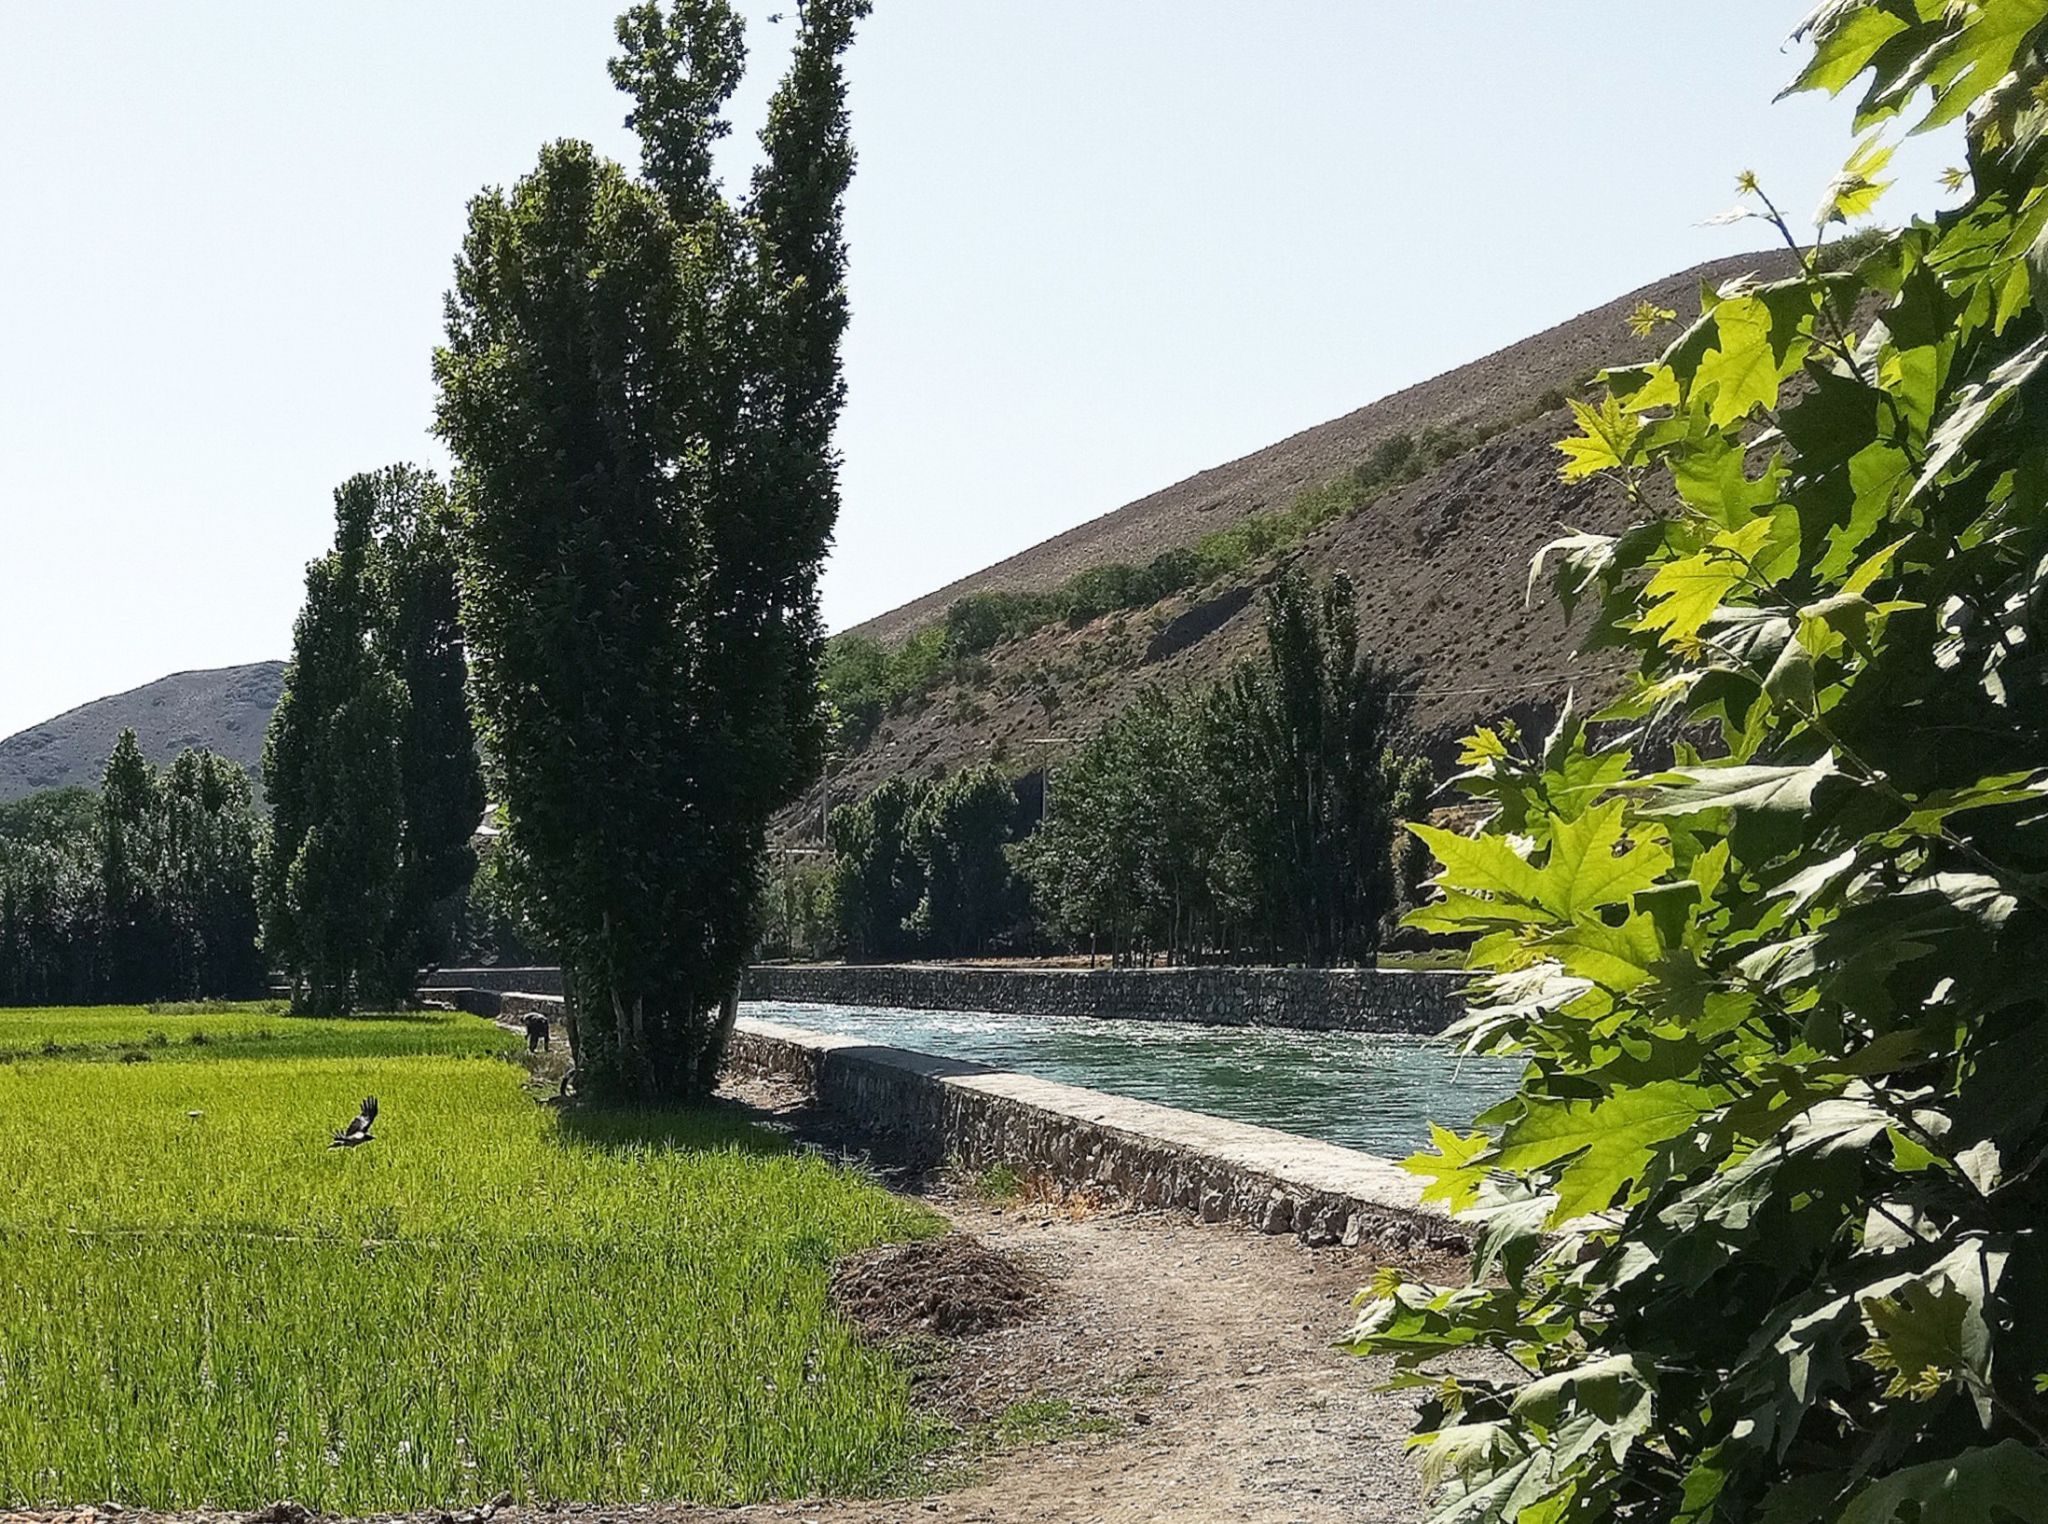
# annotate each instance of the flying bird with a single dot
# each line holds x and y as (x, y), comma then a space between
(358, 1131)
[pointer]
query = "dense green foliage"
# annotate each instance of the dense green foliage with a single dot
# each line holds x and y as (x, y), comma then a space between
(1786, 1104)
(493, 924)
(799, 916)
(921, 868)
(1131, 857)
(1256, 820)
(50, 898)
(369, 763)
(1301, 750)
(441, 780)
(640, 384)
(143, 891)
(203, 1306)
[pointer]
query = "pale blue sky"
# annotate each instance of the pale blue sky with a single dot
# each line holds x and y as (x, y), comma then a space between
(1097, 245)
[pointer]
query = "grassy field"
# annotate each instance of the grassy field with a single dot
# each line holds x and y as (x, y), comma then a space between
(201, 1304)
(132, 1031)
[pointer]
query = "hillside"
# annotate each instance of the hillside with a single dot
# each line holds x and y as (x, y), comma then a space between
(1440, 562)
(224, 709)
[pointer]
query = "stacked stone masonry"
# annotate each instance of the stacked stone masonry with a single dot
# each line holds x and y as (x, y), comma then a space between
(1311, 999)
(923, 1111)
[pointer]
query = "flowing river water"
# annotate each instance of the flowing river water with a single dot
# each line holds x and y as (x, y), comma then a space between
(1377, 1092)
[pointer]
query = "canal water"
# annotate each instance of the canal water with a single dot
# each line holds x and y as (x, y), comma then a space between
(1375, 1092)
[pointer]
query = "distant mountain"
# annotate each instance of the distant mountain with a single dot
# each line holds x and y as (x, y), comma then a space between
(225, 709)
(1440, 565)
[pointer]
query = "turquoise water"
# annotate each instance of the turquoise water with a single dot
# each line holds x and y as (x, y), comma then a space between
(1378, 1093)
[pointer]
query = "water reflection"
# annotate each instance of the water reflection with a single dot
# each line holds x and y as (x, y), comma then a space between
(1378, 1093)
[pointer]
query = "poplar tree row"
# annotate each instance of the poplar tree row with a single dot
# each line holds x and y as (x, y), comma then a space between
(370, 762)
(1257, 820)
(142, 892)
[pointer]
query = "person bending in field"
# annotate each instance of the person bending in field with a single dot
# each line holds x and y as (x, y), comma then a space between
(538, 1034)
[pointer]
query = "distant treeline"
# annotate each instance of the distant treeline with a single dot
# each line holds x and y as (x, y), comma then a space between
(145, 890)
(1259, 819)
(154, 887)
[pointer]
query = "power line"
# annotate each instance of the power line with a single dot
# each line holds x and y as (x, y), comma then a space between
(1534, 677)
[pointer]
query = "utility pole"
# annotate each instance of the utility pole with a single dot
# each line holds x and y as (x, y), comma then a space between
(1045, 774)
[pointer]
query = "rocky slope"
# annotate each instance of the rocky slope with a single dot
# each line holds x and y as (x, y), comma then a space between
(1441, 565)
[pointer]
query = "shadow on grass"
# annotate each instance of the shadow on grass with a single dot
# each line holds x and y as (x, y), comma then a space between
(395, 1018)
(711, 1128)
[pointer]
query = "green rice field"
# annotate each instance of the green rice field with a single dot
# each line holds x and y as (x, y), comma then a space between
(201, 1304)
(134, 1032)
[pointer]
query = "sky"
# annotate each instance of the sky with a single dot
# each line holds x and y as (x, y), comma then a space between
(1097, 246)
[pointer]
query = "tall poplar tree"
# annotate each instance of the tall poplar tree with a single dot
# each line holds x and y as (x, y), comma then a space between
(640, 384)
(209, 832)
(419, 635)
(130, 853)
(331, 766)
(1302, 751)
(371, 763)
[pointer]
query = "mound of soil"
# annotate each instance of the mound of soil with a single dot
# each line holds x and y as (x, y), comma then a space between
(950, 1285)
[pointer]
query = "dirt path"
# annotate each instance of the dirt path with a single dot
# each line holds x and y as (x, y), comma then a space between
(1212, 1347)
(1208, 1347)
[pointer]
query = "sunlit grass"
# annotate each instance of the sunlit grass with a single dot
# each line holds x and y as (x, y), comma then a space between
(216, 1309)
(130, 1031)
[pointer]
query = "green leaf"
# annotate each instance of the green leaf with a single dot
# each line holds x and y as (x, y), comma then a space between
(1856, 190)
(1929, 1331)
(1593, 862)
(1790, 680)
(1976, 406)
(1713, 478)
(1741, 370)
(1972, 58)
(1511, 1222)
(1618, 958)
(1986, 793)
(1916, 1338)
(1846, 38)
(1455, 912)
(1454, 1179)
(1685, 593)
(1486, 864)
(1606, 439)
(2006, 1483)
(1608, 1141)
(1908, 1156)
(1744, 786)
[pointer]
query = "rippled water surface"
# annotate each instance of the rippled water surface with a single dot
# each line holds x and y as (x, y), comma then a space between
(1378, 1093)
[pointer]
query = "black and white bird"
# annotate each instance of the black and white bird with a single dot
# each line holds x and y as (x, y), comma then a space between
(358, 1131)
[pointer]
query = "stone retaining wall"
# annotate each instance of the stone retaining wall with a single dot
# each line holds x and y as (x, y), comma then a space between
(1312, 999)
(539, 981)
(922, 1110)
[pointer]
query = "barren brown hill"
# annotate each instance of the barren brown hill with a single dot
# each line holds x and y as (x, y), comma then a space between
(1441, 565)
(1492, 387)
(223, 709)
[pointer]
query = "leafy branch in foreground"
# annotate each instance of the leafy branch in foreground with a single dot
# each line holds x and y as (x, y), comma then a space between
(1760, 1236)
